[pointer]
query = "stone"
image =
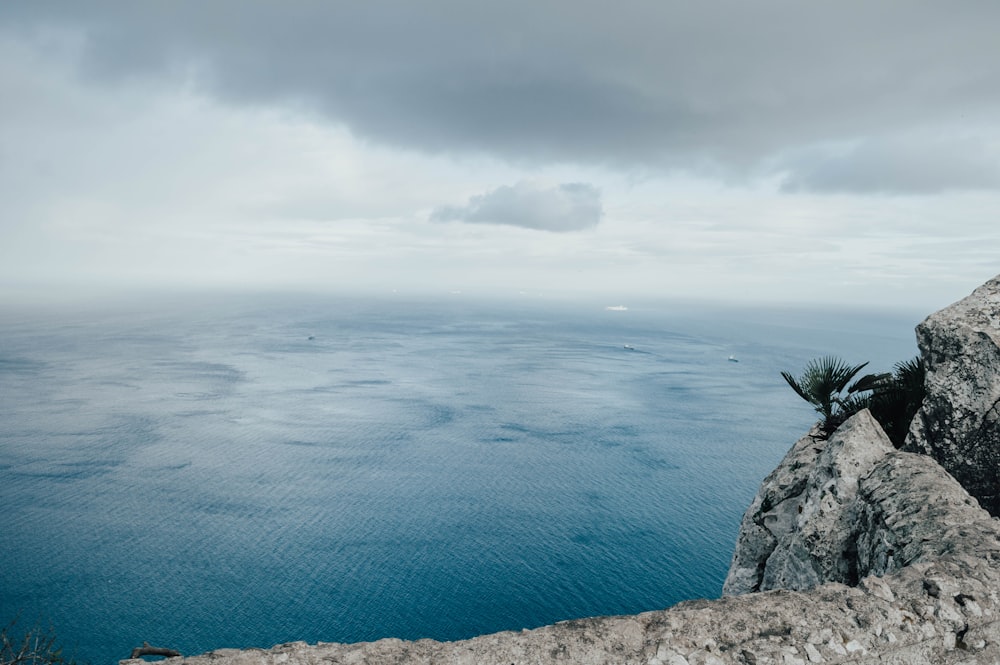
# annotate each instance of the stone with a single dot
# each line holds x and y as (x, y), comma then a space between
(959, 422)
(799, 530)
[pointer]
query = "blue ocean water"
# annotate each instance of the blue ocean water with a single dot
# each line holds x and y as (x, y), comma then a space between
(251, 471)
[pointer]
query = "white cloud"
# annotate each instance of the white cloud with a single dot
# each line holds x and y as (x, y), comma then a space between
(566, 207)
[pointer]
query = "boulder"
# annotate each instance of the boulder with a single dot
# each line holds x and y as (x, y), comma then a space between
(800, 530)
(959, 422)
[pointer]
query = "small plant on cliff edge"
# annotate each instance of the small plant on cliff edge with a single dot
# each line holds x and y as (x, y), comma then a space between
(896, 398)
(823, 383)
(35, 647)
(893, 397)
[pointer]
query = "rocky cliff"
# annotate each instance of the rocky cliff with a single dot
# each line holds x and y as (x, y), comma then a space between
(959, 422)
(801, 529)
(851, 552)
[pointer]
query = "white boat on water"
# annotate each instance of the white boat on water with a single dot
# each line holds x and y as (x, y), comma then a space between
(733, 359)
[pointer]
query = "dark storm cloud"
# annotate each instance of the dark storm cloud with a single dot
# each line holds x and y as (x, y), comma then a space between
(568, 207)
(722, 85)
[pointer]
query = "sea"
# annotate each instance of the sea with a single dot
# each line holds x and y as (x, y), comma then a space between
(248, 470)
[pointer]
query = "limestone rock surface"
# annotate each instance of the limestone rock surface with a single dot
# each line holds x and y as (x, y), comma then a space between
(959, 422)
(799, 531)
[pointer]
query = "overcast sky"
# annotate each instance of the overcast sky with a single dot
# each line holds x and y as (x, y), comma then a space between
(781, 151)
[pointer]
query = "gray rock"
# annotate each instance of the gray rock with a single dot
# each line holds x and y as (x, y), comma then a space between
(959, 422)
(799, 531)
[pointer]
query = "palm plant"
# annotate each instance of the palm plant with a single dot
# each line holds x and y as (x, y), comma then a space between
(822, 383)
(895, 398)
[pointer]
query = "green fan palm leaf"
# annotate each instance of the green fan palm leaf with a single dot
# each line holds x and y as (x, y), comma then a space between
(821, 384)
(893, 397)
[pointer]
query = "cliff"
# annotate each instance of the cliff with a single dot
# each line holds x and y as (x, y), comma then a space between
(851, 551)
(959, 422)
(802, 528)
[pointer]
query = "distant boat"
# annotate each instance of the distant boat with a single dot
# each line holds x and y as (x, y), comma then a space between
(616, 308)
(733, 359)
(629, 347)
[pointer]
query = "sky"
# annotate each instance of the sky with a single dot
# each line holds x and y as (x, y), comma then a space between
(774, 151)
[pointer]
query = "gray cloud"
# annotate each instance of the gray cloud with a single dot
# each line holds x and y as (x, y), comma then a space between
(724, 86)
(895, 165)
(568, 207)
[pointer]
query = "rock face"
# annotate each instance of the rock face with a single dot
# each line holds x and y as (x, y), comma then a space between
(855, 552)
(959, 422)
(800, 529)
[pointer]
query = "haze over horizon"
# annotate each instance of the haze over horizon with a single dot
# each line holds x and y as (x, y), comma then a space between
(773, 152)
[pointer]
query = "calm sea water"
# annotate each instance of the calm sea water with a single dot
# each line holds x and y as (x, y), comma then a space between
(254, 471)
